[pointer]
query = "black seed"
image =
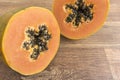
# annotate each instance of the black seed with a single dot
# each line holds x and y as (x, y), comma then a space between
(79, 10)
(69, 6)
(78, 2)
(45, 32)
(35, 53)
(46, 48)
(75, 12)
(87, 13)
(91, 5)
(42, 28)
(66, 6)
(26, 45)
(39, 43)
(48, 37)
(34, 56)
(76, 23)
(30, 32)
(85, 18)
(42, 48)
(91, 16)
(37, 40)
(32, 42)
(70, 18)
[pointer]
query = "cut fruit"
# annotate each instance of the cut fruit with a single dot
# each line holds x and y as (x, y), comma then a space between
(30, 40)
(79, 19)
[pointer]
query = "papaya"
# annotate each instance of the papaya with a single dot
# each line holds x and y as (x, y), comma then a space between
(30, 39)
(79, 19)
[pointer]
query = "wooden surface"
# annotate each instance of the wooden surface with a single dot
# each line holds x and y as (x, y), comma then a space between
(95, 58)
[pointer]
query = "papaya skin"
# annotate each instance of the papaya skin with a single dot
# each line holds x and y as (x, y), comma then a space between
(88, 35)
(12, 16)
(3, 22)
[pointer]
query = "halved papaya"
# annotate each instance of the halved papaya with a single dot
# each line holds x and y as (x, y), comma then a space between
(30, 40)
(79, 19)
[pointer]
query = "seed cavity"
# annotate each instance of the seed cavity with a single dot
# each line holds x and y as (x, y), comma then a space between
(36, 40)
(79, 12)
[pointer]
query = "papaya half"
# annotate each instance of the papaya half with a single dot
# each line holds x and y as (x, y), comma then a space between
(29, 39)
(79, 19)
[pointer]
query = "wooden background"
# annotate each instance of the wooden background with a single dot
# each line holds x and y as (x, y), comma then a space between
(95, 58)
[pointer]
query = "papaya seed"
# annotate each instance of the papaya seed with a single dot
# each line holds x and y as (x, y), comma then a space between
(37, 40)
(78, 10)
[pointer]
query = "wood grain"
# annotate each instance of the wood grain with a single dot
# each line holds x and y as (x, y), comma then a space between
(113, 56)
(94, 58)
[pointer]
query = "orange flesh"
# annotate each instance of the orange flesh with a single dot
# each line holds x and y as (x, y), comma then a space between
(19, 59)
(100, 12)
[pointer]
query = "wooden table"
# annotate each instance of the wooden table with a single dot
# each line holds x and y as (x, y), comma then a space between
(94, 58)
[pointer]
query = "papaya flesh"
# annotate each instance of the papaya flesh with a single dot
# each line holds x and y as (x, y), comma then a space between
(79, 19)
(15, 34)
(3, 22)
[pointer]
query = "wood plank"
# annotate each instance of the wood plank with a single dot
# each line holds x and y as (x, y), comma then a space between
(78, 64)
(113, 56)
